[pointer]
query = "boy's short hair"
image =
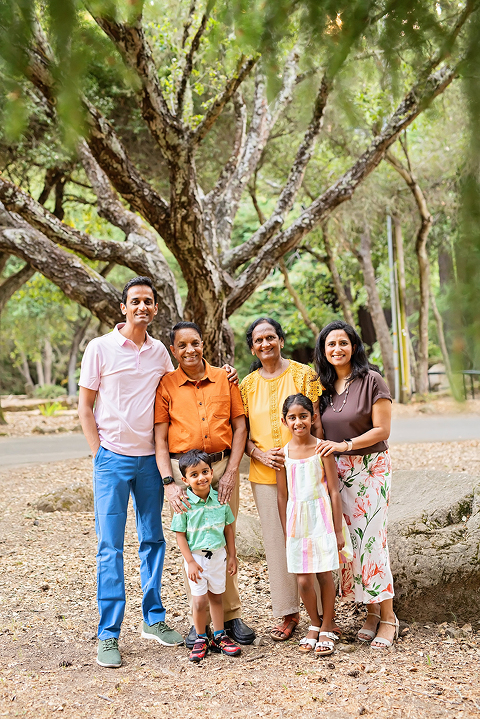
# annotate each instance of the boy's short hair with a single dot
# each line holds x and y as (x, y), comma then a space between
(192, 458)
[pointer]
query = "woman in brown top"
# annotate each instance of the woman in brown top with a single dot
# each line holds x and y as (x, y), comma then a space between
(356, 412)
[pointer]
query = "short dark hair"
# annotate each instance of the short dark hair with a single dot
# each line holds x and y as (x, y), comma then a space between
(184, 326)
(139, 281)
(192, 458)
(300, 399)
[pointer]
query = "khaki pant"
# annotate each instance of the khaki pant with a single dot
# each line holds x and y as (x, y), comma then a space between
(283, 585)
(231, 599)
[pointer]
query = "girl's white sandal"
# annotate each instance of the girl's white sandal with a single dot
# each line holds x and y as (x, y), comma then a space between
(327, 645)
(385, 642)
(307, 643)
(368, 632)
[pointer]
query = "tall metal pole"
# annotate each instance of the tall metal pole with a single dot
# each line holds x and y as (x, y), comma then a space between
(403, 338)
(393, 299)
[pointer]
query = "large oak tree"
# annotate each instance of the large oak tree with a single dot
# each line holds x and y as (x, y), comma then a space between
(195, 223)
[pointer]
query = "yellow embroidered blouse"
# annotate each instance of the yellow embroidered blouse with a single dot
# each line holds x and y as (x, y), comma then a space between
(263, 400)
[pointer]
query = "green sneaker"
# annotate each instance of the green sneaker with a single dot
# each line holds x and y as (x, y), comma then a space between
(162, 633)
(108, 654)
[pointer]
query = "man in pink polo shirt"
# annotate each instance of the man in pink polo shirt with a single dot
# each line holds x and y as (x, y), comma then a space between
(119, 377)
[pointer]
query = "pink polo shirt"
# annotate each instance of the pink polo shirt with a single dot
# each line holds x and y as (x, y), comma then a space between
(125, 379)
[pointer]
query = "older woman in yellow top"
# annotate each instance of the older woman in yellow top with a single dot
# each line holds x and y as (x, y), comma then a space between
(263, 393)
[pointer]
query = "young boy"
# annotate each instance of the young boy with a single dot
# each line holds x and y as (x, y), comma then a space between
(202, 533)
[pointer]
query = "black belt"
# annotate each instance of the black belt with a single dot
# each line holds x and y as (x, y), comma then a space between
(214, 456)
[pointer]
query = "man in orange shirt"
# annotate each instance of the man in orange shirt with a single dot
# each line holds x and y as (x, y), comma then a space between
(196, 407)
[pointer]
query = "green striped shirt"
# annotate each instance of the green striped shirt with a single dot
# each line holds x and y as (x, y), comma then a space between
(204, 522)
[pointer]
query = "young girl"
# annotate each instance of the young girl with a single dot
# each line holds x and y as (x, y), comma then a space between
(311, 514)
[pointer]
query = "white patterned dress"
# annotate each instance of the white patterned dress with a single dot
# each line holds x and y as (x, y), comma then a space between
(311, 540)
(365, 492)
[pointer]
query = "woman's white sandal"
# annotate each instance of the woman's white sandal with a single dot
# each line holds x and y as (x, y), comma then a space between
(308, 643)
(385, 642)
(327, 644)
(368, 632)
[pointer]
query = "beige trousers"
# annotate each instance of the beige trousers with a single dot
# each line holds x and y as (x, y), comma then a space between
(231, 599)
(283, 585)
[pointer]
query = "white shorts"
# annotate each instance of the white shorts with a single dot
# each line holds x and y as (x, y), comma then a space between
(214, 575)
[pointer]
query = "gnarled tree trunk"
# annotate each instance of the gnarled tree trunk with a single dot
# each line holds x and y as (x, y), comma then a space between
(195, 227)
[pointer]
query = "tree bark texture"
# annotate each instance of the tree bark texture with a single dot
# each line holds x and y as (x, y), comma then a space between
(25, 371)
(13, 283)
(441, 340)
(40, 373)
(195, 227)
(81, 327)
(423, 262)
(364, 255)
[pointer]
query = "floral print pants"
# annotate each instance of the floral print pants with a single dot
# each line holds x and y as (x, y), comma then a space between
(365, 491)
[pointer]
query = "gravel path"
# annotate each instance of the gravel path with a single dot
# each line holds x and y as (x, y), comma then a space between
(48, 623)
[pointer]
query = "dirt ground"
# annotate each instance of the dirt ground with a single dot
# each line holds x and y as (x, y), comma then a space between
(48, 627)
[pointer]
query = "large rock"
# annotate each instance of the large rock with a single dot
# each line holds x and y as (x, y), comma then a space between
(434, 542)
(76, 498)
(249, 540)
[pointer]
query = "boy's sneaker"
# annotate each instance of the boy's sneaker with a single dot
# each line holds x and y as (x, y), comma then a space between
(108, 654)
(200, 649)
(222, 643)
(162, 633)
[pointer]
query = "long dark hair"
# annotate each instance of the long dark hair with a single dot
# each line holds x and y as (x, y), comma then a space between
(326, 371)
(256, 364)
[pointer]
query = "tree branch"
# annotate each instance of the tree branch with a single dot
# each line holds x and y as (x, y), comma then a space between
(131, 43)
(421, 95)
(261, 125)
(13, 283)
(244, 67)
(3, 260)
(111, 209)
(287, 197)
(110, 154)
(238, 146)
(52, 175)
(188, 23)
(289, 80)
(187, 70)
(104, 143)
(296, 300)
(253, 194)
(128, 253)
(79, 282)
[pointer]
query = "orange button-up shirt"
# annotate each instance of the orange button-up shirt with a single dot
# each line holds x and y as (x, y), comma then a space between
(199, 413)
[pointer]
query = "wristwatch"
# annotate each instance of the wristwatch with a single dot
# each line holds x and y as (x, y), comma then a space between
(349, 443)
(167, 480)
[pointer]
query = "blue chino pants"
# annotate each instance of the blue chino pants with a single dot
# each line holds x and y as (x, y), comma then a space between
(115, 477)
